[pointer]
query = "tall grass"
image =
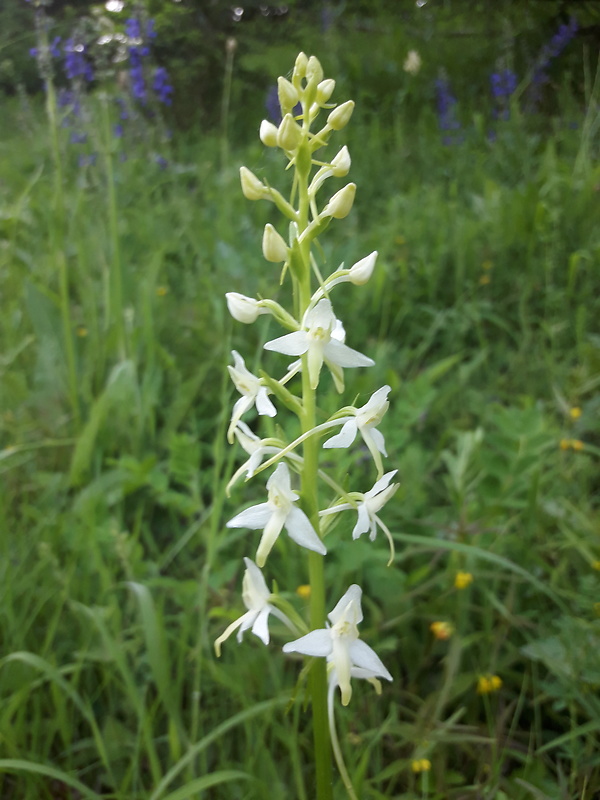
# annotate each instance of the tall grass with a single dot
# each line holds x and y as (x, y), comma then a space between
(116, 568)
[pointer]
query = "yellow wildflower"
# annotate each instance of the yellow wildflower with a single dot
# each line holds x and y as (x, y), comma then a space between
(303, 591)
(420, 765)
(488, 683)
(484, 280)
(462, 580)
(565, 444)
(596, 565)
(441, 630)
(82, 331)
(161, 291)
(577, 444)
(486, 265)
(575, 412)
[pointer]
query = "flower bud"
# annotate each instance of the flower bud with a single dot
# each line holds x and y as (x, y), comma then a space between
(359, 273)
(287, 94)
(243, 309)
(341, 203)
(325, 90)
(273, 245)
(314, 70)
(340, 116)
(289, 134)
(340, 165)
(268, 133)
(300, 66)
(252, 188)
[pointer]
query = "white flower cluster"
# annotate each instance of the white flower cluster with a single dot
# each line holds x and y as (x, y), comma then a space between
(317, 339)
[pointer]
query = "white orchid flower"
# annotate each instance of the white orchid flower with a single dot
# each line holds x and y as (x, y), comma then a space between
(364, 421)
(321, 345)
(256, 599)
(368, 506)
(347, 656)
(277, 513)
(256, 448)
(253, 391)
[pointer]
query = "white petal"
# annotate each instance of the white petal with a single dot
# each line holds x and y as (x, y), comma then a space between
(280, 484)
(381, 484)
(254, 517)
(321, 316)
(363, 522)
(378, 440)
(315, 362)
(366, 658)
(261, 627)
(345, 356)
(269, 537)
(292, 344)
(258, 585)
(377, 400)
(263, 404)
(302, 532)
(315, 643)
(345, 437)
(340, 659)
(352, 595)
(247, 620)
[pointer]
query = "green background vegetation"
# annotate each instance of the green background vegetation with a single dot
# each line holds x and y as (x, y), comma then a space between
(117, 572)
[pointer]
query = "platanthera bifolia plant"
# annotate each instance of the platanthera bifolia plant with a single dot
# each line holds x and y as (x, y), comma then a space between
(296, 483)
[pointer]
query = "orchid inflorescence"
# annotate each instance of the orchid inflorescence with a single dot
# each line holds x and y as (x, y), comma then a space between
(316, 339)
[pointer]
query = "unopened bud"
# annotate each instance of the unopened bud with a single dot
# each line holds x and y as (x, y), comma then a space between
(289, 134)
(243, 309)
(300, 66)
(287, 94)
(314, 70)
(340, 165)
(268, 133)
(341, 203)
(340, 116)
(325, 90)
(252, 188)
(360, 272)
(273, 245)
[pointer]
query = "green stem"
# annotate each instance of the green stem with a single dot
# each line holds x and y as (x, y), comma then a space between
(115, 275)
(58, 239)
(318, 673)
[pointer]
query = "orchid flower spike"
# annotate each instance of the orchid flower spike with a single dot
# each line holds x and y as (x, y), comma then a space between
(347, 656)
(321, 344)
(253, 392)
(364, 421)
(277, 513)
(256, 599)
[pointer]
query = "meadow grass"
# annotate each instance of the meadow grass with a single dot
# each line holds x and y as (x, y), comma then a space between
(117, 570)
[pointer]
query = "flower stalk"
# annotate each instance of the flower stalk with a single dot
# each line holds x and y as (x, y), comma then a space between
(317, 338)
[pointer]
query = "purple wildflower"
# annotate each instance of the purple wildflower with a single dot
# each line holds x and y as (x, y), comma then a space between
(503, 84)
(76, 64)
(553, 49)
(446, 106)
(161, 86)
(133, 29)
